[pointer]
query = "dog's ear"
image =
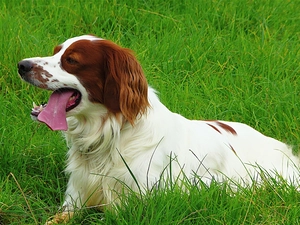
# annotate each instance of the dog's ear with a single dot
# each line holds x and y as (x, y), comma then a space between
(125, 87)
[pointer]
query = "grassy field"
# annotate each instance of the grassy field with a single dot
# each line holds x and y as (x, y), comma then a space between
(230, 60)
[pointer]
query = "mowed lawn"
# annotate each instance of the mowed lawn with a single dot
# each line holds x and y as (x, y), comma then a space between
(228, 60)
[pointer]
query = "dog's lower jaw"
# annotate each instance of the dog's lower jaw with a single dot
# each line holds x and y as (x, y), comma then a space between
(60, 218)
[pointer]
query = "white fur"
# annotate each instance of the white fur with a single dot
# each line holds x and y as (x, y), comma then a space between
(147, 147)
(157, 139)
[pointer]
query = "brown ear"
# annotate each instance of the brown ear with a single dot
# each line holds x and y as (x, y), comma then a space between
(125, 86)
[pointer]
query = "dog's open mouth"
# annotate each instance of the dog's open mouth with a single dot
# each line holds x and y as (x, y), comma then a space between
(53, 114)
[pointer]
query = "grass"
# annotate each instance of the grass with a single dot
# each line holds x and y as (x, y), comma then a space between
(230, 60)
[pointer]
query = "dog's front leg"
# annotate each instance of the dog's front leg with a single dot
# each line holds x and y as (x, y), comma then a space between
(71, 203)
(60, 218)
(63, 217)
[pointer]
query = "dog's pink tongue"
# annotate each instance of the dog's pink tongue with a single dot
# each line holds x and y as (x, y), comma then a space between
(54, 114)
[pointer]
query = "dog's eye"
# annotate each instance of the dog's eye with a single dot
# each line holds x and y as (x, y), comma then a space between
(71, 60)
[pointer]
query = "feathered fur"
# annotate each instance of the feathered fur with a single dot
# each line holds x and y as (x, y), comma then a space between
(120, 123)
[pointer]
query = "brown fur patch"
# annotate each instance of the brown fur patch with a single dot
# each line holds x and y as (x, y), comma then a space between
(227, 127)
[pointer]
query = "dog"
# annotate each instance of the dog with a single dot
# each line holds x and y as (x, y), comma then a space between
(120, 134)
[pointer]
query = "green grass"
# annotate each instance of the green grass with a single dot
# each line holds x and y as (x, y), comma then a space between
(230, 60)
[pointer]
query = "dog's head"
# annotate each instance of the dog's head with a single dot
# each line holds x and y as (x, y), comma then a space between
(85, 71)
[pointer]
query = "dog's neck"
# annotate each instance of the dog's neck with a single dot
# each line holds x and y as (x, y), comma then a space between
(92, 133)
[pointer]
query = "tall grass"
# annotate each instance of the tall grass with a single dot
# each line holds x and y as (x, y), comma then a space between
(230, 60)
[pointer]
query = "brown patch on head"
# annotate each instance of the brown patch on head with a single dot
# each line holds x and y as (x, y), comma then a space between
(111, 75)
(57, 49)
(38, 76)
(38, 71)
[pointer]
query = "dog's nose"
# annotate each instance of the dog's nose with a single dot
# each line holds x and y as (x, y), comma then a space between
(24, 67)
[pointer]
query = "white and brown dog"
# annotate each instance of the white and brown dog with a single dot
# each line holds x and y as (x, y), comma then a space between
(117, 128)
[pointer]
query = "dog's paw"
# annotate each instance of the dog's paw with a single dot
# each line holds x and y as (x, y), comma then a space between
(60, 218)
